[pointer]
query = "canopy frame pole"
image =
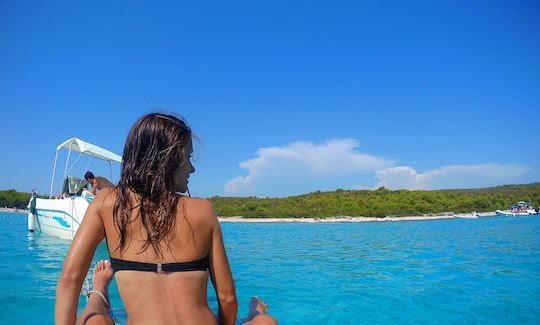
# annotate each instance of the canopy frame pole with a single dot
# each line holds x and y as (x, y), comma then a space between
(110, 170)
(73, 165)
(53, 172)
(67, 160)
(89, 161)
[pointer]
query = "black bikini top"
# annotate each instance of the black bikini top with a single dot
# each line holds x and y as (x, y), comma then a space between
(123, 265)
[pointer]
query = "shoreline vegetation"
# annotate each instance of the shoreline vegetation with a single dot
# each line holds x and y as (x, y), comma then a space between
(351, 205)
(379, 203)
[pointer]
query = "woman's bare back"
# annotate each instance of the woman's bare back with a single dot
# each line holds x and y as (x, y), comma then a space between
(168, 297)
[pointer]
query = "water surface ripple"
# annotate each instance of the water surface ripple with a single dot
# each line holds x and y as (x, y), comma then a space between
(424, 272)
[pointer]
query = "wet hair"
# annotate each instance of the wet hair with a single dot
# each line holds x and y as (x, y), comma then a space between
(88, 175)
(155, 148)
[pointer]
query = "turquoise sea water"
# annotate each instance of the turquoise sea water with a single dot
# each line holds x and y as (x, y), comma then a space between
(443, 271)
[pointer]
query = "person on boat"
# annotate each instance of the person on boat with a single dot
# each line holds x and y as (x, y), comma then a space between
(97, 182)
(163, 246)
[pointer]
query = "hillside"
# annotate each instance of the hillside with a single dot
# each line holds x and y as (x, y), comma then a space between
(379, 203)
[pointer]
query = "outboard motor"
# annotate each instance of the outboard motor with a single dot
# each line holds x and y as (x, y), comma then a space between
(32, 222)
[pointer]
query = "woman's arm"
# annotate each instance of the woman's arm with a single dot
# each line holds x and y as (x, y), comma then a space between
(221, 276)
(77, 263)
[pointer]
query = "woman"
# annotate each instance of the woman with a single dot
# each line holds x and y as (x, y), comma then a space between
(162, 245)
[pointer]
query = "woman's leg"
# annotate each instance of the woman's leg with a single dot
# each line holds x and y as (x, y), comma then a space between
(258, 313)
(97, 310)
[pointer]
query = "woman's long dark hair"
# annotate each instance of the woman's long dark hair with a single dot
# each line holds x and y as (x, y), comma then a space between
(155, 149)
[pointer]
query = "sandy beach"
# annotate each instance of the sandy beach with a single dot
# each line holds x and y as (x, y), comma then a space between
(347, 219)
(15, 210)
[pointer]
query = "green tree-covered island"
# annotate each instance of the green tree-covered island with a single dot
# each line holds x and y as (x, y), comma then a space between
(357, 203)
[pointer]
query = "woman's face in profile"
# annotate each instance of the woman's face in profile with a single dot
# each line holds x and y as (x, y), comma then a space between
(185, 169)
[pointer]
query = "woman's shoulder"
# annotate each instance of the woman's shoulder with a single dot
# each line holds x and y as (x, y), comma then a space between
(199, 207)
(104, 200)
(198, 203)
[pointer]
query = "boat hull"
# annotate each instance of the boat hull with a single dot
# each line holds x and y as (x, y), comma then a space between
(515, 214)
(58, 217)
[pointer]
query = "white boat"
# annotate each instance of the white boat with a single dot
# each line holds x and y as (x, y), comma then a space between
(521, 209)
(510, 213)
(61, 217)
(472, 215)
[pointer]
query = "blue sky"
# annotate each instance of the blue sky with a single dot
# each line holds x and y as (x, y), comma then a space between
(287, 97)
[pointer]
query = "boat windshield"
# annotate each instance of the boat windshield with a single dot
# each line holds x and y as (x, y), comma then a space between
(73, 185)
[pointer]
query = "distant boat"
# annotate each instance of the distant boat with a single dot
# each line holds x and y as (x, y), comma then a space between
(521, 209)
(509, 213)
(472, 215)
(61, 217)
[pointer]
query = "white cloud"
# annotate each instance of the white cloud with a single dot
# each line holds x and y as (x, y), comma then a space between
(303, 161)
(359, 187)
(456, 176)
(304, 166)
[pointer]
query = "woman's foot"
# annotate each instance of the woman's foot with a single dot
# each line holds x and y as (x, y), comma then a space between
(97, 307)
(258, 313)
(102, 276)
(256, 307)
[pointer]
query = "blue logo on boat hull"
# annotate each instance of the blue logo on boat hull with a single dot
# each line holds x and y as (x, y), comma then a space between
(62, 222)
